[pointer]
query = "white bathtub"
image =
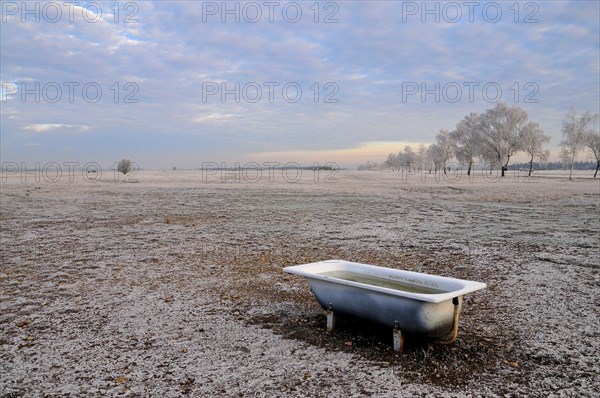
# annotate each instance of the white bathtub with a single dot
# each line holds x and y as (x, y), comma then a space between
(412, 302)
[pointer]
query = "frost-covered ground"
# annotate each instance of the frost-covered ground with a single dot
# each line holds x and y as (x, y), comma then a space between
(172, 286)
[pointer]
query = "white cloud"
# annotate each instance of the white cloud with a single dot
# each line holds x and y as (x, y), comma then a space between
(215, 117)
(63, 128)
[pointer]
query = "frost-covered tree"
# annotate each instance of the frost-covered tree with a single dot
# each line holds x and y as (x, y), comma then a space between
(467, 139)
(124, 166)
(501, 129)
(592, 142)
(391, 162)
(445, 146)
(409, 158)
(421, 156)
(565, 157)
(532, 138)
(369, 166)
(488, 158)
(433, 155)
(574, 131)
(429, 158)
(406, 158)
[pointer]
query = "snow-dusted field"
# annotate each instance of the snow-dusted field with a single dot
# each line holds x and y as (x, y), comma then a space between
(172, 286)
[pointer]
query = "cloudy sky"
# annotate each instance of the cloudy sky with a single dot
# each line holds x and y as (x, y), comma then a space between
(170, 83)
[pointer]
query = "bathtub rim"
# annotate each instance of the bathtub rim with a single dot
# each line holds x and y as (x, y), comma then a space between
(464, 286)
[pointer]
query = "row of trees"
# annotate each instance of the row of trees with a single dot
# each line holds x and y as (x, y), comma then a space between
(494, 137)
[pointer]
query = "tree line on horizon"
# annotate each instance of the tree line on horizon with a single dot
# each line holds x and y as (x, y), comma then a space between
(494, 137)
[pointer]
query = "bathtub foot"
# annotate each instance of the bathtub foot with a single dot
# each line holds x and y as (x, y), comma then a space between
(454, 333)
(330, 318)
(398, 339)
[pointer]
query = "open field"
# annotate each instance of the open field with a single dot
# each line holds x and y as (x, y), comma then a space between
(172, 286)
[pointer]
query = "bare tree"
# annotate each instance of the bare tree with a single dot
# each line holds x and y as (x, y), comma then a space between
(445, 146)
(532, 138)
(501, 128)
(467, 139)
(574, 131)
(592, 142)
(124, 166)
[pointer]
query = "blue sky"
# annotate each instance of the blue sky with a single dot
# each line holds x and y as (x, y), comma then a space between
(169, 55)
